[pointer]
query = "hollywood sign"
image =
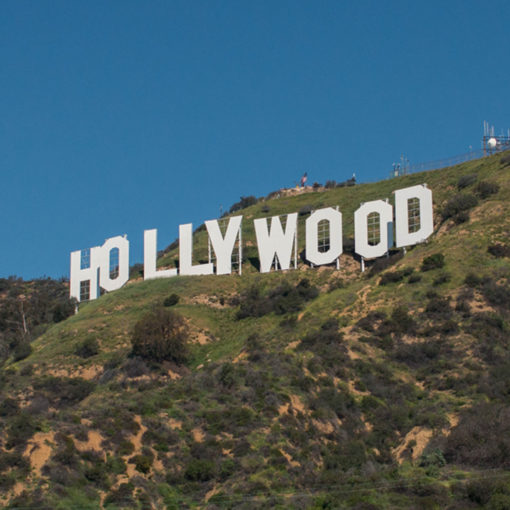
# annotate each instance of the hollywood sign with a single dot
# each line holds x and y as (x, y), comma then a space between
(408, 223)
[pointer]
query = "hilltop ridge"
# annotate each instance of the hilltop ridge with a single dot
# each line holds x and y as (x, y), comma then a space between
(309, 388)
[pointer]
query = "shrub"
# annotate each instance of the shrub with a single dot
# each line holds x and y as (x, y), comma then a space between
(485, 189)
(171, 300)
(444, 277)
(22, 428)
(466, 180)
(67, 390)
(402, 321)
(22, 351)
(458, 203)
(499, 250)
(122, 496)
(482, 437)
(306, 209)
(383, 263)
(395, 276)
(8, 407)
(135, 367)
(281, 300)
(461, 217)
(330, 184)
(348, 182)
(435, 261)
(89, 347)
(438, 308)
(64, 309)
(473, 280)
(199, 470)
(227, 375)
(142, 463)
(505, 160)
(433, 458)
(243, 203)
(136, 271)
(370, 320)
(495, 294)
(414, 278)
(160, 335)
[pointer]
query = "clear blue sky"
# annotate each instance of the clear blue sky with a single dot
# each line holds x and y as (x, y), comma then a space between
(121, 116)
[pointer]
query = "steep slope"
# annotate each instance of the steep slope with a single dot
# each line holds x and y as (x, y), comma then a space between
(313, 388)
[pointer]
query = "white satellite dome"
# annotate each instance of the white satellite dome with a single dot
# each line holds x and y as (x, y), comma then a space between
(492, 143)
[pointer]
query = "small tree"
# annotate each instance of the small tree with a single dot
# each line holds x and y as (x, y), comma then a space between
(160, 335)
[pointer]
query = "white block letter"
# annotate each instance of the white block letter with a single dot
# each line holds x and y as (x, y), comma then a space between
(334, 218)
(275, 242)
(79, 275)
(105, 280)
(223, 246)
(186, 254)
(150, 240)
(402, 197)
(385, 215)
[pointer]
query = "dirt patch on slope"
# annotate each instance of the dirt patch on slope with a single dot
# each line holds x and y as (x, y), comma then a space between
(39, 450)
(420, 436)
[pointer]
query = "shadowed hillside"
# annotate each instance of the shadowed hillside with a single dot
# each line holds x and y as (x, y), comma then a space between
(312, 388)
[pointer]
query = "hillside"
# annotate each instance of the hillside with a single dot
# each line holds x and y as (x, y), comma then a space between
(310, 388)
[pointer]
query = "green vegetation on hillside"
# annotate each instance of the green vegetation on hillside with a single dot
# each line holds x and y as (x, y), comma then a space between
(311, 388)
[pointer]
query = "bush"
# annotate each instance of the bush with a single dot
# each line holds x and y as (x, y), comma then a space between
(432, 458)
(281, 300)
(458, 203)
(243, 203)
(495, 294)
(22, 351)
(402, 321)
(461, 217)
(435, 261)
(123, 496)
(485, 189)
(64, 309)
(444, 277)
(306, 209)
(199, 470)
(8, 407)
(499, 250)
(160, 335)
(438, 308)
(171, 300)
(89, 347)
(414, 278)
(22, 428)
(136, 271)
(466, 180)
(142, 463)
(473, 280)
(482, 437)
(330, 184)
(395, 276)
(67, 390)
(383, 263)
(505, 160)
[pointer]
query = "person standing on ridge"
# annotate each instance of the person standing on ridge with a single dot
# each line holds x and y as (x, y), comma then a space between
(304, 179)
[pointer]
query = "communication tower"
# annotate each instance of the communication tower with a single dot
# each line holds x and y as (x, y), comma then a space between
(492, 142)
(401, 168)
